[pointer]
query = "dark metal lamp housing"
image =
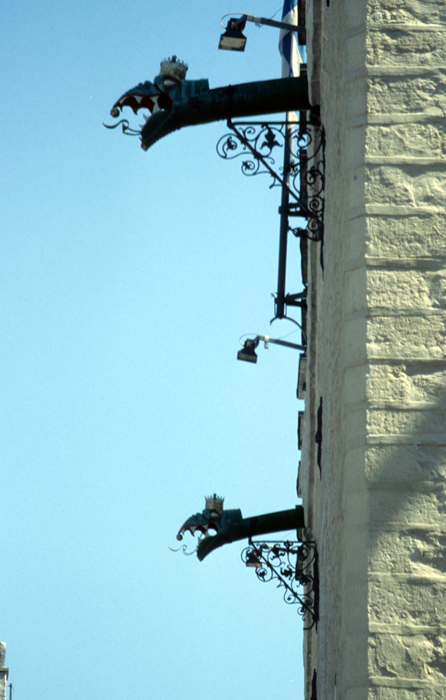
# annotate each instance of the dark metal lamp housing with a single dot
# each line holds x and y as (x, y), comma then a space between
(248, 351)
(233, 39)
(252, 559)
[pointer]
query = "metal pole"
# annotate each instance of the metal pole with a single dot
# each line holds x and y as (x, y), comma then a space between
(273, 23)
(283, 241)
(266, 339)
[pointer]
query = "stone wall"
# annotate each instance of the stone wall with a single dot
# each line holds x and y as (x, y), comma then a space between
(377, 349)
(3, 671)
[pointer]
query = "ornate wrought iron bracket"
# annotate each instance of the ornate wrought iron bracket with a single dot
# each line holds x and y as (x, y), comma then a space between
(255, 142)
(126, 129)
(294, 566)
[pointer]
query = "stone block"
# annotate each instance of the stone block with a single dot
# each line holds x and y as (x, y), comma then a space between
(398, 422)
(410, 551)
(407, 186)
(409, 383)
(406, 47)
(412, 656)
(401, 95)
(415, 602)
(407, 463)
(408, 140)
(405, 337)
(420, 236)
(400, 289)
(393, 506)
(407, 11)
(429, 691)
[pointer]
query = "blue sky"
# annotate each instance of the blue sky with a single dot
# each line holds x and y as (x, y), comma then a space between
(127, 279)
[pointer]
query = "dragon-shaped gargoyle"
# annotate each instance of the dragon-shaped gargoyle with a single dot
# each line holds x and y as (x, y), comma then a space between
(230, 526)
(175, 102)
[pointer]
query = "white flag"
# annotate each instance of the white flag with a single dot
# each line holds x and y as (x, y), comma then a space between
(291, 59)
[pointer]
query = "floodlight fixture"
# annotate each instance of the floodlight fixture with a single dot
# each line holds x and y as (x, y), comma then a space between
(233, 38)
(248, 354)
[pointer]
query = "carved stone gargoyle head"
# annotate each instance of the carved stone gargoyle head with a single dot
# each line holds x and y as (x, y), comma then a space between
(174, 102)
(212, 522)
(219, 527)
(169, 89)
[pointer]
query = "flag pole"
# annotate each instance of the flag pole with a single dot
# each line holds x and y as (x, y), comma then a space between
(290, 68)
(283, 239)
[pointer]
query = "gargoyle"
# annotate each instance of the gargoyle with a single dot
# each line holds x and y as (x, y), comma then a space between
(230, 526)
(175, 102)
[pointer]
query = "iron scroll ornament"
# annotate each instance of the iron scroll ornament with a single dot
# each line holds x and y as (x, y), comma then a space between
(254, 143)
(294, 566)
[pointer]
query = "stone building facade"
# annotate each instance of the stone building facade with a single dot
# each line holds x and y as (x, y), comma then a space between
(3, 671)
(375, 500)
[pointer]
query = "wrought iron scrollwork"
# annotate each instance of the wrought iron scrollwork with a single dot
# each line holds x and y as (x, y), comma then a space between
(126, 129)
(255, 144)
(294, 567)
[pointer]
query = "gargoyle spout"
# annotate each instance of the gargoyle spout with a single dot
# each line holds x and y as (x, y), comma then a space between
(230, 526)
(234, 101)
(175, 102)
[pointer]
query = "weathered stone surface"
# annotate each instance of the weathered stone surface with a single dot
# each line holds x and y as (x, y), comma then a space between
(354, 236)
(416, 237)
(393, 505)
(355, 385)
(413, 551)
(356, 50)
(355, 187)
(356, 647)
(357, 693)
(388, 421)
(406, 289)
(398, 94)
(394, 289)
(378, 358)
(407, 656)
(355, 290)
(407, 11)
(429, 691)
(408, 185)
(355, 97)
(417, 601)
(403, 47)
(407, 383)
(406, 140)
(407, 337)
(3, 673)
(354, 341)
(410, 463)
